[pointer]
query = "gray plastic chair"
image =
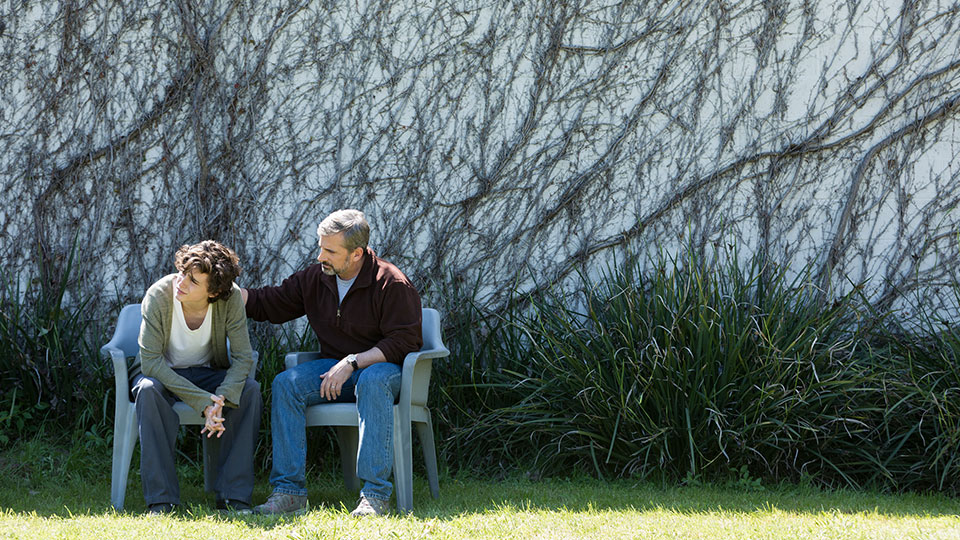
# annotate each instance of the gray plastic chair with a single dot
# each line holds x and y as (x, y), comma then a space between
(411, 408)
(124, 345)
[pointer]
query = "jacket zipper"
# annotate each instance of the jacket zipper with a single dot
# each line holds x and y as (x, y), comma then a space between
(341, 303)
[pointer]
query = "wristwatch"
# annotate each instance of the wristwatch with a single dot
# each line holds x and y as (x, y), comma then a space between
(352, 360)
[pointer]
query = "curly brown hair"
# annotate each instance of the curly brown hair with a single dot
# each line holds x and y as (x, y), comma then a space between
(216, 260)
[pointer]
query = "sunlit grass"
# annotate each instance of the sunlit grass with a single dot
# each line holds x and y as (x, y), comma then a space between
(76, 506)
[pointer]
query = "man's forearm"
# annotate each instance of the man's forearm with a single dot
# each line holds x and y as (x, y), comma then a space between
(370, 357)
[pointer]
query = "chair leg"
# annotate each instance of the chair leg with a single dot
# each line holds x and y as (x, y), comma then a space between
(211, 458)
(425, 433)
(124, 440)
(349, 439)
(402, 463)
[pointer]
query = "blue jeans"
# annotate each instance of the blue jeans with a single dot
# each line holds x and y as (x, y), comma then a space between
(375, 388)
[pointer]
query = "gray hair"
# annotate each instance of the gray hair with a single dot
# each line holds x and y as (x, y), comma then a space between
(352, 223)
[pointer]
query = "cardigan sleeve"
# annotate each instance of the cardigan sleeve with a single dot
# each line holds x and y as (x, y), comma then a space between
(241, 353)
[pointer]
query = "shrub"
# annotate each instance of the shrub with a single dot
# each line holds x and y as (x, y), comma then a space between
(921, 412)
(50, 372)
(691, 370)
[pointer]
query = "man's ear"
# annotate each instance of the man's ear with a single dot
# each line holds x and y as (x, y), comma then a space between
(357, 254)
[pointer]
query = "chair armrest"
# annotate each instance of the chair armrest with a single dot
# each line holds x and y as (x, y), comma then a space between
(296, 358)
(120, 374)
(427, 353)
(415, 379)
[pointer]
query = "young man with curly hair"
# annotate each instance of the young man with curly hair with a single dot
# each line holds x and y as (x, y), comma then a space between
(187, 319)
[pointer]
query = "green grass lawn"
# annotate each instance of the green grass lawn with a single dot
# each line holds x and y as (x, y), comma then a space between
(46, 494)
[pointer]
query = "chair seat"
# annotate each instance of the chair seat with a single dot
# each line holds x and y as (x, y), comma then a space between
(333, 414)
(345, 414)
(188, 416)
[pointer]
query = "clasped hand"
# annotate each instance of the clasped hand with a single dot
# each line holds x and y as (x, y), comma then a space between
(213, 415)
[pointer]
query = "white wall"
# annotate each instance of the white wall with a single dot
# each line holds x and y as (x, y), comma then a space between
(486, 142)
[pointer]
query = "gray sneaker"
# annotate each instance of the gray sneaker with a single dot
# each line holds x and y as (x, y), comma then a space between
(283, 503)
(371, 507)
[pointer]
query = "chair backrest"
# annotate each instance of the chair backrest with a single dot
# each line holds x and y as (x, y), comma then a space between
(128, 330)
(432, 342)
(431, 329)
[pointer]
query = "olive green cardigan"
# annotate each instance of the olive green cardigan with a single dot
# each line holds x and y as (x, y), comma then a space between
(229, 321)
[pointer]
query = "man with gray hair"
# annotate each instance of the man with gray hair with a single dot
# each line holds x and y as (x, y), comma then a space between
(366, 315)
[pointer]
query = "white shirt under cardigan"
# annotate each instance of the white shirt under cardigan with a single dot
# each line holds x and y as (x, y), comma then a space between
(189, 348)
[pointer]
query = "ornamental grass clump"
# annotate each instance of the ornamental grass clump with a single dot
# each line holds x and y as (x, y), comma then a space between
(685, 370)
(921, 424)
(50, 373)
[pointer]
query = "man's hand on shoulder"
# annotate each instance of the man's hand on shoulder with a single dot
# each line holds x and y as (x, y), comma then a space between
(244, 294)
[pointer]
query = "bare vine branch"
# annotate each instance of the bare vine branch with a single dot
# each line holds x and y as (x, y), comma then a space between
(482, 140)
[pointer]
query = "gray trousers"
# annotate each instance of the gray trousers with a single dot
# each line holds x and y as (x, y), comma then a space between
(158, 425)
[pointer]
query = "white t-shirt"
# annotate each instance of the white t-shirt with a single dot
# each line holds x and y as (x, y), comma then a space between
(189, 348)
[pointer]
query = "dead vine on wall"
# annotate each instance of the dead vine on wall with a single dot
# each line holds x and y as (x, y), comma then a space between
(483, 140)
